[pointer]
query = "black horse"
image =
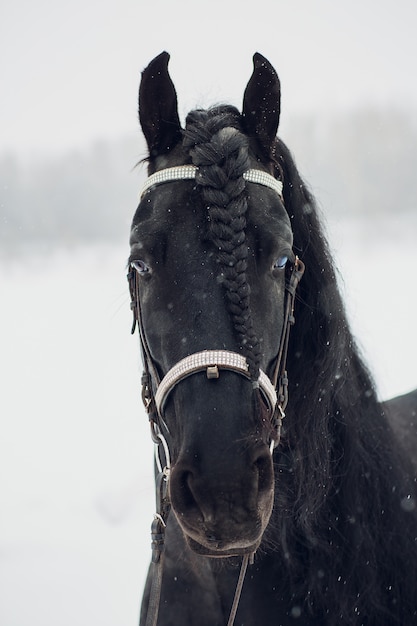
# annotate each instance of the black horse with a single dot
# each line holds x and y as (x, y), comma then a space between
(329, 519)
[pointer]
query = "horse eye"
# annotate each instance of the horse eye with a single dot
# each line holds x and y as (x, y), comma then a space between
(140, 267)
(280, 263)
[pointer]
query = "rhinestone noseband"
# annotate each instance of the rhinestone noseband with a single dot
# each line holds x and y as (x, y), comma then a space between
(211, 361)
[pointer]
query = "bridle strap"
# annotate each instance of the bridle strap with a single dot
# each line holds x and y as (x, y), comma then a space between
(248, 558)
(279, 377)
(158, 540)
(211, 361)
(190, 172)
(150, 372)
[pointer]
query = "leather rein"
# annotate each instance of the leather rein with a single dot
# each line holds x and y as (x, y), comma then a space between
(155, 391)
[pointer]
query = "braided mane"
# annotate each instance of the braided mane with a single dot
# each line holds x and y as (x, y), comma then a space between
(219, 149)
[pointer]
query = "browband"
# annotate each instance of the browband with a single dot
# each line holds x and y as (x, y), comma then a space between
(189, 172)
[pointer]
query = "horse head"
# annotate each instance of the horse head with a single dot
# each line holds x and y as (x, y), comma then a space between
(211, 260)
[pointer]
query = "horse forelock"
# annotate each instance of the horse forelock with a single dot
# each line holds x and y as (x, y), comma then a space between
(216, 143)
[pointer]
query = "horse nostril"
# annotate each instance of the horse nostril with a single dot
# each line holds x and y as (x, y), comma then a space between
(263, 466)
(181, 491)
(187, 498)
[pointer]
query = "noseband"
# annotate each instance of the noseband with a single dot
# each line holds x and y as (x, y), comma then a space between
(211, 361)
(155, 392)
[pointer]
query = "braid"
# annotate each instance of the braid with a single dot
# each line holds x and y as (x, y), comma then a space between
(220, 151)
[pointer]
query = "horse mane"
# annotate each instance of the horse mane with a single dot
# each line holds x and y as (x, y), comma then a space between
(342, 483)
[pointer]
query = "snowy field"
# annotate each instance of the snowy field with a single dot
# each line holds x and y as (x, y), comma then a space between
(75, 455)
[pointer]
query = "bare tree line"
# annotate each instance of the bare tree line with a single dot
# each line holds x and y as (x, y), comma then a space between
(360, 163)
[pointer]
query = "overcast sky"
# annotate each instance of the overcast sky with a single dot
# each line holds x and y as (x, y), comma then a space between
(69, 71)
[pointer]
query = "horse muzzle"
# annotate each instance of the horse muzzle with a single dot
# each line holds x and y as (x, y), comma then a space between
(224, 513)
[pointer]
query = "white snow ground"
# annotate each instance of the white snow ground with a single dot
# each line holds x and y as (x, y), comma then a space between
(75, 456)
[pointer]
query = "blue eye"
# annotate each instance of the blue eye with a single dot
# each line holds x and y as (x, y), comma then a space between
(280, 263)
(140, 267)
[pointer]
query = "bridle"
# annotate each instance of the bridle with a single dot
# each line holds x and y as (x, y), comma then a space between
(155, 391)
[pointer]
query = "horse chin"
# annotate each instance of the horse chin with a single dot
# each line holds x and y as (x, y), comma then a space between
(220, 553)
(219, 548)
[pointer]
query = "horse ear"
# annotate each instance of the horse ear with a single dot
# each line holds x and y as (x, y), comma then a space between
(158, 108)
(261, 103)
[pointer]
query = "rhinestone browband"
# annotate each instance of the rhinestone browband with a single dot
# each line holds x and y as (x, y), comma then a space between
(189, 172)
(211, 361)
